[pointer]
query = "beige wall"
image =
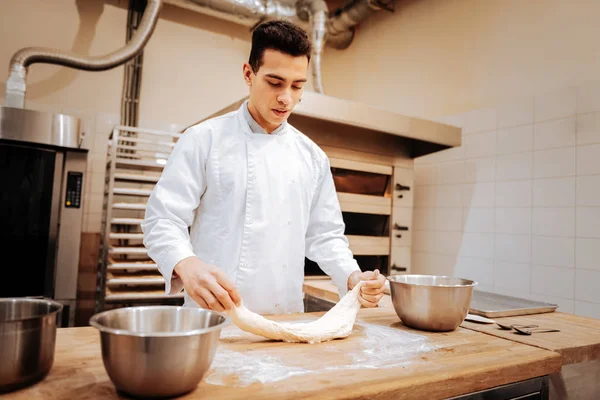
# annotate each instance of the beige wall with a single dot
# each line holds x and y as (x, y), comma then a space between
(192, 63)
(439, 57)
(429, 58)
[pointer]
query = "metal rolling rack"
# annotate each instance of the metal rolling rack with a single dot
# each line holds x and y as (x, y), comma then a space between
(126, 274)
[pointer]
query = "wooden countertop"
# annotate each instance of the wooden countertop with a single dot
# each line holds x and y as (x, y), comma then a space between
(577, 341)
(381, 359)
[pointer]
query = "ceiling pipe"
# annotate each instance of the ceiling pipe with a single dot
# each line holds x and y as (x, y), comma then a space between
(340, 25)
(317, 15)
(16, 84)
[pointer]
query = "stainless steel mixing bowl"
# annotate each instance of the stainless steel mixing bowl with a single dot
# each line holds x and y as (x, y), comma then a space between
(431, 302)
(158, 351)
(27, 340)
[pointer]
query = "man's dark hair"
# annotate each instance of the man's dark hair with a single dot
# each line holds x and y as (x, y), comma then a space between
(278, 35)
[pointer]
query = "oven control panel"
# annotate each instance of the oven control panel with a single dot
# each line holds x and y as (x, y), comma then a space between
(73, 195)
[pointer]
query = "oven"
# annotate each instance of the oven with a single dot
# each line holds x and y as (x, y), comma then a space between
(42, 170)
(373, 177)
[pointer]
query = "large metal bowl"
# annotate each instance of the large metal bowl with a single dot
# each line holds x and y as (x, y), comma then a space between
(158, 351)
(27, 340)
(431, 302)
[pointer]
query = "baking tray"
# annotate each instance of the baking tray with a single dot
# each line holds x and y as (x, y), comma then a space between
(493, 305)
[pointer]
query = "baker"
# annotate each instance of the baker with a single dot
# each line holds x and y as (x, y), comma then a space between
(245, 197)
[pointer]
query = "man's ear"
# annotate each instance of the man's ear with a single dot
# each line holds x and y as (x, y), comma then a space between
(247, 70)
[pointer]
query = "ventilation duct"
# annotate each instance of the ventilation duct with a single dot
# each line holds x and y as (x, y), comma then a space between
(312, 15)
(16, 83)
(340, 26)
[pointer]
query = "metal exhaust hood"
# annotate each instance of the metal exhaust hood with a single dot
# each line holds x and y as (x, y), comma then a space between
(420, 136)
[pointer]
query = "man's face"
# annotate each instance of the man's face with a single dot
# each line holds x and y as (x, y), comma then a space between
(276, 88)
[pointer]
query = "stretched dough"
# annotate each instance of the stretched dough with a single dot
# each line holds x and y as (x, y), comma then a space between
(335, 324)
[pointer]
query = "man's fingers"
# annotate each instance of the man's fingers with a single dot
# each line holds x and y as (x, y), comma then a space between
(222, 295)
(366, 303)
(229, 287)
(197, 297)
(370, 298)
(372, 291)
(210, 299)
(373, 284)
(201, 302)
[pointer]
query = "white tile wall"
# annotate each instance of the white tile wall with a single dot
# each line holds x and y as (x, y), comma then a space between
(447, 242)
(554, 192)
(477, 245)
(555, 105)
(588, 97)
(515, 140)
(480, 170)
(425, 196)
(588, 128)
(553, 251)
(555, 133)
(514, 166)
(449, 219)
(424, 219)
(564, 305)
(553, 281)
(587, 253)
(516, 248)
(423, 240)
(586, 285)
(480, 120)
(505, 273)
(513, 193)
(480, 145)
(554, 221)
(436, 263)
(518, 112)
(426, 174)
(588, 222)
(528, 181)
(587, 309)
(555, 163)
(588, 190)
(479, 220)
(516, 221)
(452, 172)
(588, 162)
(510, 291)
(480, 270)
(447, 196)
(479, 194)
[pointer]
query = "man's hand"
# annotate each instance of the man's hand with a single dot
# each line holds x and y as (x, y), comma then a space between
(372, 290)
(207, 284)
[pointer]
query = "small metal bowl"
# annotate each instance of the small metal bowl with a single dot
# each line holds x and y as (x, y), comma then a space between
(27, 340)
(431, 302)
(158, 351)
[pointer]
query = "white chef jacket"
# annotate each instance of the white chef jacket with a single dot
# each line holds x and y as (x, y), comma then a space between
(256, 205)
